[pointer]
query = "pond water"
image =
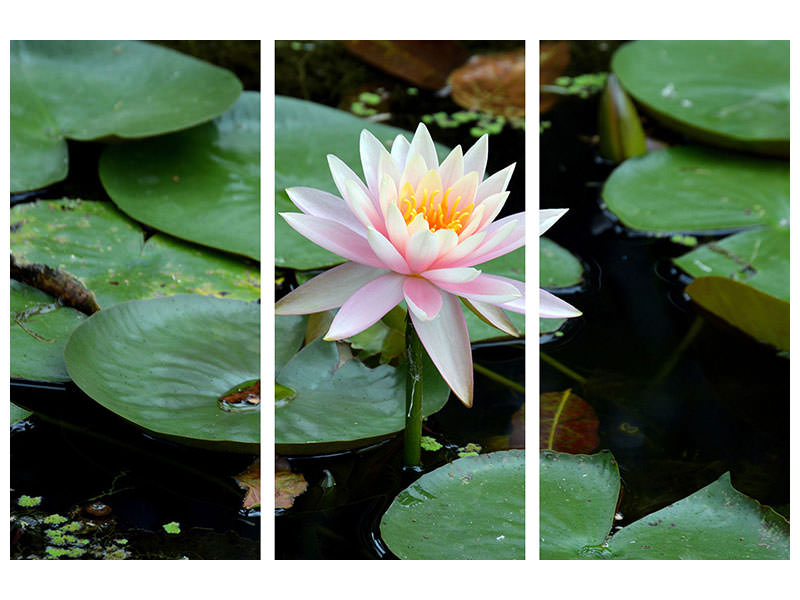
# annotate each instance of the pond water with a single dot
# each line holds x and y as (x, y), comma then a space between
(681, 398)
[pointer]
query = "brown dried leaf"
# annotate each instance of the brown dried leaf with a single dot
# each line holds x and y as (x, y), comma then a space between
(553, 62)
(288, 486)
(567, 423)
(59, 284)
(492, 83)
(250, 480)
(424, 63)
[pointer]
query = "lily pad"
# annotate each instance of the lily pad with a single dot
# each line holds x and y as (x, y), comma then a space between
(305, 133)
(341, 403)
(558, 268)
(764, 317)
(39, 329)
(729, 93)
(577, 499)
(162, 363)
(107, 252)
(472, 508)
(90, 89)
(579, 495)
(289, 332)
(695, 190)
(18, 414)
(200, 185)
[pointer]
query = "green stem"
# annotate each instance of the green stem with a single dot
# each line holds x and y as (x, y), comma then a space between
(499, 378)
(413, 430)
(673, 359)
(563, 368)
(556, 417)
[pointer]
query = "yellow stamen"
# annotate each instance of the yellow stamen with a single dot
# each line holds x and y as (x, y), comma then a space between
(439, 214)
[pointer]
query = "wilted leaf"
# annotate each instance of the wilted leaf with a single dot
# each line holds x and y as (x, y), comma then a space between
(553, 63)
(288, 486)
(250, 480)
(425, 63)
(492, 83)
(567, 423)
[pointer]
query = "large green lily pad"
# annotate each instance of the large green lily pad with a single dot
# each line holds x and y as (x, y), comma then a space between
(90, 89)
(107, 252)
(472, 508)
(558, 268)
(579, 495)
(730, 93)
(163, 363)
(200, 185)
(695, 190)
(305, 133)
(289, 333)
(764, 317)
(39, 330)
(18, 414)
(577, 498)
(341, 403)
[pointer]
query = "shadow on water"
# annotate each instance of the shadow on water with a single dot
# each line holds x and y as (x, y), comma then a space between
(681, 398)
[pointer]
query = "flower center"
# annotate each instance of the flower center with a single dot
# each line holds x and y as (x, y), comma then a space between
(438, 210)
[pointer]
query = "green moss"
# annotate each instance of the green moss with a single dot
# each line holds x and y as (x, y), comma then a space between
(54, 520)
(428, 443)
(29, 501)
(173, 528)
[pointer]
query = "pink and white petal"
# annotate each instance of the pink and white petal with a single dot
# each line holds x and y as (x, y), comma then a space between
(518, 305)
(551, 307)
(366, 306)
(371, 150)
(396, 227)
(387, 194)
(494, 204)
(492, 289)
(424, 299)
(452, 167)
(328, 290)
(422, 144)
(464, 189)
(399, 152)
(459, 275)
(334, 237)
(326, 206)
(492, 315)
(422, 249)
(476, 157)
(506, 237)
(362, 207)
(418, 224)
(448, 239)
(446, 340)
(474, 221)
(384, 250)
(341, 173)
(415, 169)
(464, 248)
(495, 184)
(548, 216)
(430, 182)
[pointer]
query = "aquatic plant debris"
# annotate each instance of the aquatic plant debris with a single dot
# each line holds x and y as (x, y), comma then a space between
(250, 480)
(413, 232)
(29, 501)
(173, 527)
(426, 442)
(60, 284)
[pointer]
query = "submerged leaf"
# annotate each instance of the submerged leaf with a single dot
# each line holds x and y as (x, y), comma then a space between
(567, 423)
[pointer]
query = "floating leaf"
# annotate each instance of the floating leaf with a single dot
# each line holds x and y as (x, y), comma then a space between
(424, 63)
(163, 363)
(578, 497)
(39, 330)
(344, 405)
(289, 332)
(472, 508)
(250, 480)
(89, 89)
(305, 133)
(492, 83)
(567, 423)
(288, 486)
(18, 414)
(729, 93)
(173, 527)
(200, 185)
(695, 190)
(106, 251)
(764, 317)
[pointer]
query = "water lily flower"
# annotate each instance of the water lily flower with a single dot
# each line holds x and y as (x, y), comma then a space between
(413, 230)
(551, 307)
